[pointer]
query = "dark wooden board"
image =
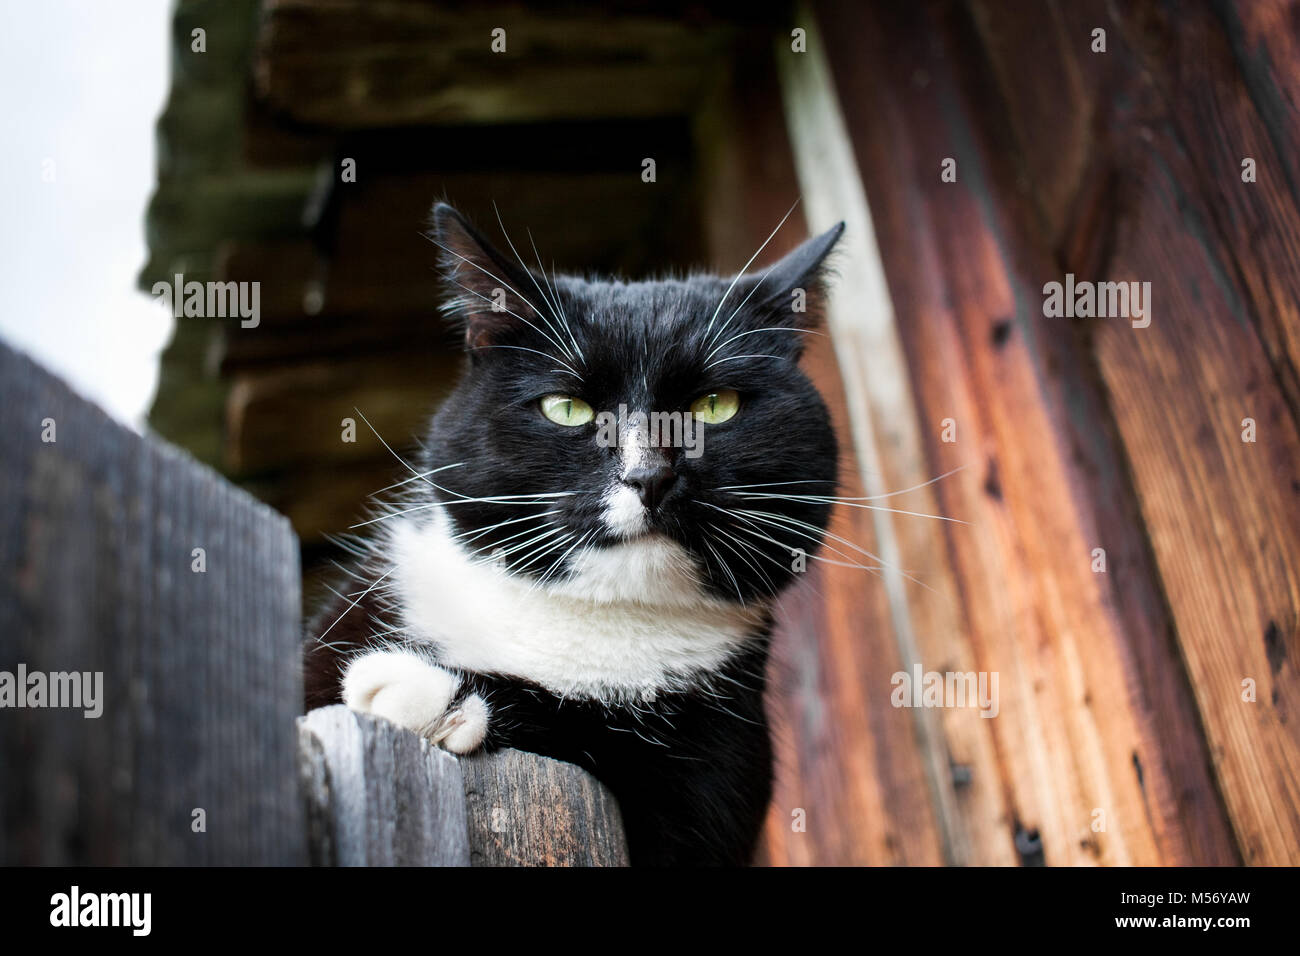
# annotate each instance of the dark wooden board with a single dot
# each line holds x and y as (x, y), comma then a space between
(356, 64)
(201, 674)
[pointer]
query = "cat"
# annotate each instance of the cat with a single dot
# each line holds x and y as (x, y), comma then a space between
(558, 578)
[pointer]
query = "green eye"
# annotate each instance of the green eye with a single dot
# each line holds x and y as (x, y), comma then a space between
(716, 407)
(566, 410)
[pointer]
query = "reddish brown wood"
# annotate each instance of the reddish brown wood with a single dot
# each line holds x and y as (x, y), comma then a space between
(849, 772)
(1216, 84)
(1095, 710)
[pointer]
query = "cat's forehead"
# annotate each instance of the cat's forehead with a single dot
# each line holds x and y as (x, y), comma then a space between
(653, 340)
(665, 313)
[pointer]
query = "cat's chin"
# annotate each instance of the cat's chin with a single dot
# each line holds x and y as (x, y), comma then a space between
(647, 535)
(647, 567)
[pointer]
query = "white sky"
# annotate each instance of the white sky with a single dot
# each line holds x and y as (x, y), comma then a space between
(83, 81)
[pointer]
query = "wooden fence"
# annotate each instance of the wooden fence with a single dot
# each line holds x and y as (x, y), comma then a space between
(150, 683)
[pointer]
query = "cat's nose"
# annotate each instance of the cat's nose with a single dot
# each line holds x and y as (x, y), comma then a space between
(651, 483)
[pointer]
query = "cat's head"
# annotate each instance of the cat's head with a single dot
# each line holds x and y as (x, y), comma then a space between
(619, 440)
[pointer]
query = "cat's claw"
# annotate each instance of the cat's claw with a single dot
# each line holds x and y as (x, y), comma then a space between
(407, 690)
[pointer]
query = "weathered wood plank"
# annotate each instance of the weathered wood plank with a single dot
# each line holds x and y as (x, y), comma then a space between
(380, 263)
(526, 810)
(1215, 88)
(364, 65)
(1094, 710)
(292, 415)
(842, 796)
(200, 669)
(378, 795)
(1219, 80)
(1219, 508)
(889, 441)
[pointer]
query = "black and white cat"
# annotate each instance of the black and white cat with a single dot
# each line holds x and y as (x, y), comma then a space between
(555, 583)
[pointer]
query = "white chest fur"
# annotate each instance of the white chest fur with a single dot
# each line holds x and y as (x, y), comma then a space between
(631, 620)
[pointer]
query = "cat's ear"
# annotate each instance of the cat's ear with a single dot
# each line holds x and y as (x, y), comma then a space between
(792, 292)
(485, 289)
(797, 283)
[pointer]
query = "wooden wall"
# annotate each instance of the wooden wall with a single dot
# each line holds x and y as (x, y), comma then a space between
(1122, 691)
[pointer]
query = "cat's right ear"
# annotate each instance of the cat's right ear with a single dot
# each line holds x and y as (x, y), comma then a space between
(483, 286)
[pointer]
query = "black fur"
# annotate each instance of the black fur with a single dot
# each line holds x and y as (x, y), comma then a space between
(691, 769)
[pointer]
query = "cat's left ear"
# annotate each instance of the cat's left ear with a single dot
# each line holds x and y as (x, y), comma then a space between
(485, 289)
(792, 292)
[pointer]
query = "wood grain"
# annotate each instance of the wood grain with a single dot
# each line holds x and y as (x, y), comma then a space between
(378, 795)
(1095, 711)
(527, 810)
(915, 577)
(201, 673)
(364, 65)
(851, 787)
(1216, 85)
(291, 416)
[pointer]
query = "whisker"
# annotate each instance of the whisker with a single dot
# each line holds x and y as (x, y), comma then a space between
(848, 503)
(736, 358)
(773, 328)
(531, 277)
(520, 348)
(740, 553)
(824, 481)
(349, 608)
(882, 564)
(723, 564)
(544, 551)
(497, 279)
(770, 484)
(353, 547)
(554, 341)
(417, 477)
(814, 557)
(559, 562)
(741, 273)
(813, 533)
(556, 308)
(500, 554)
(404, 462)
(722, 328)
(479, 532)
(496, 545)
(759, 552)
(460, 500)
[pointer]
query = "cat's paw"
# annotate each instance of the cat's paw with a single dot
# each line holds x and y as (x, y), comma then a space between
(407, 690)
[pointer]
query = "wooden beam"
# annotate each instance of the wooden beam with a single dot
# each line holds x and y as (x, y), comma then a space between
(378, 795)
(357, 64)
(294, 415)
(1220, 253)
(526, 810)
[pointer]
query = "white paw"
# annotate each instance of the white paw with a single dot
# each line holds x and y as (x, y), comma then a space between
(407, 690)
